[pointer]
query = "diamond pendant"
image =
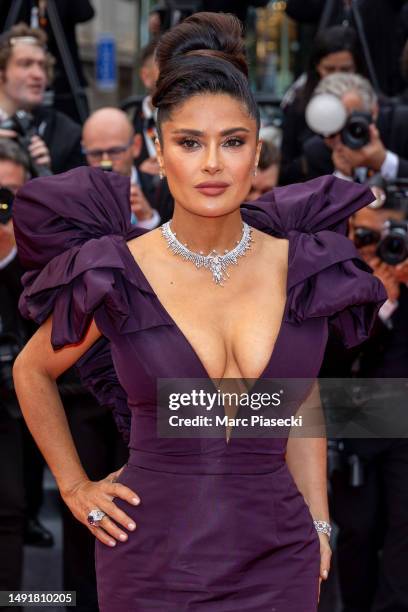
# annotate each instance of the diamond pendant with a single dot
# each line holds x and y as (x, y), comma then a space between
(216, 268)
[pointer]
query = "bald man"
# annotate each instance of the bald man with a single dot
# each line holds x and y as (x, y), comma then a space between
(108, 136)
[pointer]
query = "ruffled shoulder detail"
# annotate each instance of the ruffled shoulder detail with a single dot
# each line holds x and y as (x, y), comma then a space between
(326, 276)
(56, 213)
(70, 231)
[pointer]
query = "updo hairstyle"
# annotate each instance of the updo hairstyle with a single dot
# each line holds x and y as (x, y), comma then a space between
(203, 54)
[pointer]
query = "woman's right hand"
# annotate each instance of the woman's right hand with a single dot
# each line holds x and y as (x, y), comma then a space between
(88, 495)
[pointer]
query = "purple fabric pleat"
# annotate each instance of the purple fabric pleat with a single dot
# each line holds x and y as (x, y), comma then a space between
(327, 278)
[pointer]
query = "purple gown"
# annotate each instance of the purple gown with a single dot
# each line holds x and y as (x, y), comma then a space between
(221, 527)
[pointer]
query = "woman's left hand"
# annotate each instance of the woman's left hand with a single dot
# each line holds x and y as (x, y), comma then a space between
(325, 558)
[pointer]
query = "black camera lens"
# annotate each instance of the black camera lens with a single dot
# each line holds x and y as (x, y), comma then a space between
(393, 246)
(356, 132)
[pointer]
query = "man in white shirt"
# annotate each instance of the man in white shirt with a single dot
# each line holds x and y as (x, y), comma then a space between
(369, 486)
(144, 118)
(108, 136)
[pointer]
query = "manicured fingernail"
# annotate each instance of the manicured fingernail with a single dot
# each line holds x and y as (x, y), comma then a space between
(135, 501)
(131, 526)
(325, 573)
(112, 543)
(123, 537)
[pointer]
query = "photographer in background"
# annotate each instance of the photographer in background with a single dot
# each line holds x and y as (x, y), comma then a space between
(334, 49)
(362, 136)
(369, 486)
(14, 332)
(51, 139)
(71, 13)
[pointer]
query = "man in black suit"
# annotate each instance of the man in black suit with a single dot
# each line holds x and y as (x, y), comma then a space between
(13, 334)
(108, 136)
(387, 150)
(371, 513)
(25, 70)
(71, 13)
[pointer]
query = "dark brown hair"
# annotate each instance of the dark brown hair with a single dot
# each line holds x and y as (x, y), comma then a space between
(330, 40)
(203, 54)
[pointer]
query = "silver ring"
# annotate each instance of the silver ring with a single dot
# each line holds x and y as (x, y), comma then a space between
(95, 516)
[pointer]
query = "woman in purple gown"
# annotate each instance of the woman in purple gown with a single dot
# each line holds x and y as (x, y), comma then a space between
(222, 523)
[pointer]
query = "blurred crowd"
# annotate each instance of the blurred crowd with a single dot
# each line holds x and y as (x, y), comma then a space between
(347, 114)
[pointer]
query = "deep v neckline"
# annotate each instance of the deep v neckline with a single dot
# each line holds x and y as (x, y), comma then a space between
(172, 322)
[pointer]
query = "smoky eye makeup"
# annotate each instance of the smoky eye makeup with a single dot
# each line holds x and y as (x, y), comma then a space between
(238, 141)
(187, 143)
(231, 142)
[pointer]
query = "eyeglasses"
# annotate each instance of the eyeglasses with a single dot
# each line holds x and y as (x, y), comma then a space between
(113, 153)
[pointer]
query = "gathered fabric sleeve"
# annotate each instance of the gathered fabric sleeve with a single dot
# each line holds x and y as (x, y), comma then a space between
(67, 227)
(326, 276)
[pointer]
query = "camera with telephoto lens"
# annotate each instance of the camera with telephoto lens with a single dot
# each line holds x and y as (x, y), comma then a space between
(327, 116)
(22, 123)
(6, 205)
(392, 241)
(393, 246)
(356, 132)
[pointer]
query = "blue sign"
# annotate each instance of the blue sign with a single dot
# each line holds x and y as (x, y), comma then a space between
(106, 73)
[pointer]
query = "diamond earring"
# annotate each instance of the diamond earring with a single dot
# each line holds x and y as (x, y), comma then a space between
(161, 174)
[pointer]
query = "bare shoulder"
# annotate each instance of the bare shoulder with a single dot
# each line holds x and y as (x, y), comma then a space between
(271, 247)
(142, 246)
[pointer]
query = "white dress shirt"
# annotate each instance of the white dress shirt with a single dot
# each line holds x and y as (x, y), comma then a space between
(148, 112)
(155, 219)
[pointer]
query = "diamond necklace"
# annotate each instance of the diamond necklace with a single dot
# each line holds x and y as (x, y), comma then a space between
(216, 263)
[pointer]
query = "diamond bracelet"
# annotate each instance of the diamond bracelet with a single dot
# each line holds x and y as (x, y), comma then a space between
(323, 527)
